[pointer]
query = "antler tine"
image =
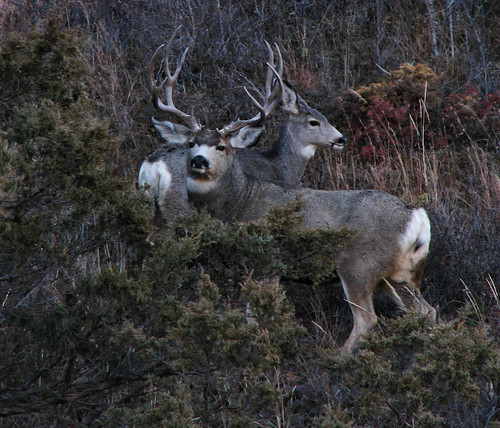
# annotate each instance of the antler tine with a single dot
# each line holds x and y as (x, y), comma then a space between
(168, 83)
(273, 98)
(269, 76)
(273, 93)
(280, 69)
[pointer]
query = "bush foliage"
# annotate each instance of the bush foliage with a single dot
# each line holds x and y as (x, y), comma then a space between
(399, 109)
(106, 320)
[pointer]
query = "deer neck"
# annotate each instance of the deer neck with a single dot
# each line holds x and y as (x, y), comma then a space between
(292, 156)
(223, 198)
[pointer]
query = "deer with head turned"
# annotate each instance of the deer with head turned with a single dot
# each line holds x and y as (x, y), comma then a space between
(305, 130)
(390, 242)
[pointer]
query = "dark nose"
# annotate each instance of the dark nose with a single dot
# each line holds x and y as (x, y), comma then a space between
(342, 140)
(199, 162)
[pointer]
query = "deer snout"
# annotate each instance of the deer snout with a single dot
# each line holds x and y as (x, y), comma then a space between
(199, 162)
(339, 143)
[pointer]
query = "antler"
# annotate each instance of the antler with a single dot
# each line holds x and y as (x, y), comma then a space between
(168, 82)
(273, 93)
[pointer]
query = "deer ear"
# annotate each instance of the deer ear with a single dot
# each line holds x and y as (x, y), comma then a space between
(172, 132)
(289, 99)
(246, 137)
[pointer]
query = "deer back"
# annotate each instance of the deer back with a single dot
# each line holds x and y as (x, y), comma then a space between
(234, 195)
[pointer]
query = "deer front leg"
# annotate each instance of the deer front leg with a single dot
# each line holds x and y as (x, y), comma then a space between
(363, 312)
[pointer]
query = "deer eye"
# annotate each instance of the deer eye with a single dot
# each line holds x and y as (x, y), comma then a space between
(191, 144)
(314, 122)
(220, 148)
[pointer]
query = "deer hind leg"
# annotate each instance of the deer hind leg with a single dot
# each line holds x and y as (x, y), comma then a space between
(404, 289)
(364, 317)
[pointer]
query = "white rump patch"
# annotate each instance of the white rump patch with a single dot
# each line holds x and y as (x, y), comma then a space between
(414, 244)
(157, 176)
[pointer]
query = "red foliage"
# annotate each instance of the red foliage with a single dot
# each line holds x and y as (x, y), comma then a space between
(408, 108)
(469, 113)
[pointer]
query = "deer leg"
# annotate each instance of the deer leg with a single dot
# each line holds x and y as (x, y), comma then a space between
(364, 317)
(411, 300)
(387, 287)
(404, 289)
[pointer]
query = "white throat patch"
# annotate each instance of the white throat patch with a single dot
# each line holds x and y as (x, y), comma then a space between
(308, 151)
(199, 187)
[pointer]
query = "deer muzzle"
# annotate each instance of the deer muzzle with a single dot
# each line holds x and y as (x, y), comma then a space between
(199, 163)
(339, 143)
